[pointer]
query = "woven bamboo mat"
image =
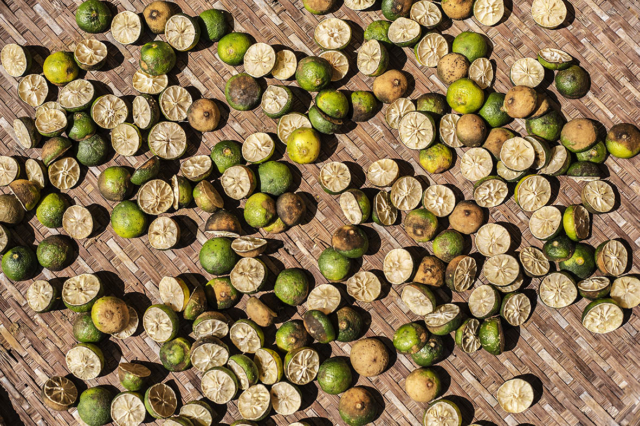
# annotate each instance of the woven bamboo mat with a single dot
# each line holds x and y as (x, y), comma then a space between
(581, 378)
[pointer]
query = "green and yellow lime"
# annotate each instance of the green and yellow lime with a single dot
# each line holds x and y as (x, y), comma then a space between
(51, 209)
(217, 257)
(582, 263)
(93, 16)
(84, 330)
(334, 375)
(623, 140)
(175, 354)
(157, 58)
(410, 338)
(303, 145)
(94, 406)
(233, 46)
(430, 353)
(55, 252)
(128, 220)
(471, 45)
(19, 263)
(313, 73)
(465, 96)
(213, 24)
(291, 335)
(60, 68)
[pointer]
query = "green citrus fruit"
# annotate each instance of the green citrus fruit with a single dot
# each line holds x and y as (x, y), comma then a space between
(582, 263)
(84, 330)
(54, 148)
(292, 286)
(275, 177)
(128, 221)
(291, 335)
(559, 248)
(19, 263)
(114, 183)
(333, 103)
(221, 294)
(394, 9)
(491, 335)
(623, 140)
(423, 385)
(378, 30)
(51, 209)
(596, 154)
(421, 225)
(93, 16)
(319, 7)
(319, 326)
(334, 375)
(81, 126)
(434, 103)
(350, 324)
(94, 406)
(259, 210)
(217, 257)
(226, 154)
(243, 92)
(575, 221)
(465, 96)
(547, 127)
(157, 58)
(471, 45)
(438, 158)
(430, 353)
(410, 338)
(133, 376)
(233, 46)
(175, 354)
(492, 111)
(322, 122)
(364, 106)
(55, 252)
(213, 24)
(303, 145)
(358, 406)
(573, 82)
(448, 244)
(333, 265)
(313, 73)
(92, 151)
(110, 314)
(60, 68)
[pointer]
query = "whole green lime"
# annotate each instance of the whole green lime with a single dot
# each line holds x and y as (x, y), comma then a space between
(157, 58)
(350, 324)
(175, 354)
(221, 294)
(430, 353)
(93, 16)
(350, 241)
(217, 257)
(92, 151)
(94, 406)
(243, 92)
(333, 265)
(334, 375)
(596, 154)
(378, 30)
(60, 68)
(434, 103)
(319, 326)
(548, 127)
(319, 7)
(303, 145)
(333, 103)
(573, 82)
(81, 126)
(623, 140)
(291, 335)
(51, 209)
(233, 46)
(364, 105)
(114, 183)
(323, 122)
(226, 154)
(84, 330)
(471, 45)
(448, 244)
(55, 252)
(492, 111)
(465, 96)
(491, 335)
(437, 158)
(410, 338)
(147, 171)
(275, 177)
(213, 24)
(582, 263)
(260, 210)
(313, 73)
(358, 406)
(19, 263)
(128, 221)
(421, 225)
(292, 286)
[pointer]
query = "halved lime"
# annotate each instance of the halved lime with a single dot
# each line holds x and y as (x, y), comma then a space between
(160, 322)
(508, 174)
(448, 134)
(155, 197)
(417, 130)
(77, 222)
(108, 111)
(332, 34)
(246, 335)
(534, 262)
(426, 13)
(598, 197)
(259, 60)
(248, 275)
(211, 323)
(131, 327)
(33, 90)
(439, 200)
(558, 290)
(289, 123)
(245, 370)
(254, 403)
(466, 336)
(174, 103)
(373, 58)
(77, 95)
(626, 291)
(238, 182)
(430, 49)
(406, 193)
(602, 316)
(285, 65)
(576, 222)
(444, 319)
(126, 27)
(384, 212)
(554, 59)
(160, 401)
(559, 163)
(182, 32)
(276, 101)
(197, 167)
(249, 246)
(418, 298)
(355, 205)
(15, 60)
(26, 133)
(545, 223)
(517, 154)
(150, 84)
(339, 63)
(334, 177)
(167, 140)
(383, 172)
(258, 147)
(501, 270)
(398, 109)
(286, 398)
(9, 170)
(476, 164)
(324, 298)
(85, 361)
(174, 293)
(532, 192)
(488, 12)
(59, 393)
(397, 266)
(269, 366)
(219, 384)
(492, 239)
(490, 191)
(42, 296)
(484, 301)
(90, 54)
(364, 286)
(359, 4)
(527, 72)
(404, 32)
(611, 258)
(594, 287)
(199, 412)
(548, 13)
(442, 413)
(516, 308)
(47, 106)
(515, 395)
(64, 173)
(146, 111)
(127, 409)
(126, 139)
(481, 70)
(209, 352)
(301, 365)
(51, 122)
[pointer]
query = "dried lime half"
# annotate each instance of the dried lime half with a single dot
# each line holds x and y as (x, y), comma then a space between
(259, 60)
(384, 212)
(127, 408)
(26, 133)
(559, 163)
(160, 323)
(209, 352)
(492, 239)
(517, 154)
(448, 135)
(426, 13)
(332, 34)
(108, 111)
(51, 122)
(430, 49)
(155, 197)
(258, 147)
(501, 270)
(167, 140)
(626, 291)
(554, 59)
(174, 293)
(508, 174)
(534, 262)
(126, 27)
(417, 130)
(515, 396)
(484, 301)
(90, 54)
(598, 197)
(476, 164)
(339, 63)
(372, 59)
(439, 200)
(532, 192)
(516, 308)
(42, 296)
(549, 13)
(546, 222)
(15, 60)
(359, 4)
(481, 70)
(249, 246)
(164, 233)
(527, 72)
(466, 336)
(9, 170)
(276, 101)
(199, 412)
(383, 172)
(160, 401)
(211, 323)
(85, 361)
(364, 286)
(335, 177)
(150, 84)
(602, 316)
(406, 193)
(558, 290)
(397, 266)
(254, 403)
(146, 111)
(488, 12)
(197, 167)
(247, 336)
(490, 191)
(131, 327)
(594, 287)
(77, 222)
(285, 65)
(301, 365)
(77, 95)
(398, 109)
(444, 319)
(611, 258)
(461, 272)
(286, 398)
(33, 90)
(182, 32)
(269, 366)
(289, 123)
(404, 32)
(418, 298)
(442, 413)
(64, 174)
(248, 275)
(219, 384)
(238, 182)
(126, 139)
(59, 393)
(324, 298)
(174, 103)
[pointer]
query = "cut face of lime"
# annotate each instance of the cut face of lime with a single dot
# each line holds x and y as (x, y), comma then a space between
(33, 90)
(175, 102)
(430, 49)
(517, 154)
(242, 368)
(335, 177)
(467, 336)
(158, 325)
(108, 111)
(269, 366)
(416, 130)
(533, 193)
(594, 287)
(197, 167)
(77, 222)
(219, 385)
(612, 258)
(508, 174)
(76, 95)
(418, 298)
(515, 396)
(274, 100)
(150, 84)
(254, 403)
(501, 270)
(359, 4)
(143, 113)
(291, 122)
(557, 290)
(534, 262)
(626, 291)
(465, 269)
(181, 32)
(484, 301)
(543, 154)
(167, 140)
(404, 32)
(492, 239)
(602, 316)
(549, 13)
(259, 60)
(199, 412)
(527, 72)
(126, 27)
(174, 293)
(324, 298)
(516, 308)
(385, 212)
(162, 400)
(90, 53)
(126, 139)
(9, 170)
(47, 106)
(364, 286)
(40, 295)
(559, 162)
(237, 182)
(442, 413)
(488, 12)
(23, 128)
(248, 275)
(59, 393)
(351, 208)
(476, 164)
(155, 197)
(439, 200)
(285, 65)
(442, 316)
(249, 246)
(490, 193)
(383, 172)
(555, 57)
(210, 353)
(245, 336)
(598, 196)
(258, 147)
(51, 122)
(303, 366)
(398, 109)
(426, 13)
(545, 222)
(131, 327)
(127, 409)
(406, 193)
(397, 266)
(286, 398)
(14, 60)
(84, 361)
(339, 63)
(332, 34)
(448, 134)
(372, 58)
(64, 173)
(481, 70)
(211, 324)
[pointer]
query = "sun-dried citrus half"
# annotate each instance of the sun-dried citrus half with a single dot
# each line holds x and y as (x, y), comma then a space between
(126, 27)
(85, 361)
(492, 239)
(527, 72)
(286, 398)
(398, 109)
(481, 71)
(174, 293)
(33, 90)
(501, 270)
(248, 275)
(146, 111)
(131, 327)
(543, 153)
(199, 412)
(108, 111)
(238, 182)
(448, 134)
(164, 233)
(339, 63)
(554, 58)
(364, 286)
(442, 413)
(325, 298)
(9, 170)
(15, 60)
(167, 140)
(488, 12)
(276, 101)
(515, 396)
(285, 65)
(174, 103)
(383, 172)
(467, 336)
(249, 246)
(64, 173)
(51, 122)
(258, 147)
(332, 34)
(462, 270)
(59, 393)
(416, 130)
(150, 84)
(77, 95)
(559, 163)
(444, 319)
(598, 197)
(406, 193)
(161, 400)
(626, 291)
(47, 106)
(549, 13)
(219, 385)
(126, 139)
(426, 13)
(534, 262)
(545, 223)
(259, 60)
(516, 308)
(611, 258)
(212, 323)
(302, 366)
(372, 58)
(418, 298)
(40, 296)
(490, 192)
(77, 222)
(517, 154)
(246, 336)
(160, 323)
(359, 4)
(476, 164)
(90, 54)
(397, 266)
(197, 167)
(155, 197)
(430, 49)
(254, 403)
(291, 122)
(533, 192)
(334, 177)
(26, 133)
(484, 301)
(594, 287)
(558, 290)
(384, 212)
(127, 409)
(439, 200)
(602, 316)
(352, 208)
(209, 352)
(404, 32)
(182, 32)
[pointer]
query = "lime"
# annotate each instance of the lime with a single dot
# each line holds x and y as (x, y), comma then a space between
(378, 30)
(133, 377)
(355, 205)
(160, 401)
(85, 361)
(147, 171)
(226, 154)
(465, 96)
(19, 263)
(290, 209)
(175, 354)
(246, 335)
(611, 258)
(182, 32)
(291, 335)
(492, 111)
(421, 225)
(157, 58)
(451, 67)
(576, 222)
(350, 241)
(515, 395)
(404, 32)
(584, 171)
(554, 59)
(42, 296)
(448, 244)
(114, 183)
(333, 103)
(33, 90)
(602, 316)
(410, 338)
(547, 127)
(358, 406)
(594, 287)
(223, 223)
(303, 145)
(94, 405)
(259, 210)
(334, 375)
(438, 158)
(51, 209)
(548, 13)
(276, 101)
(394, 9)
(313, 73)
(213, 24)
(203, 115)
(275, 177)
(127, 27)
(84, 330)
(559, 248)
(81, 126)
(350, 324)
(558, 290)
(292, 286)
(444, 319)
(319, 326)
(110, 315)
(430, 353)
(199, 412)
(582, 263)
(319, 7)
(55, 252)
(390, 86)
(243, 92)
(156, 14)
(11, 211)
(79, 293)
(333, 265)
(491, 335)
(59, 393)
(434, 103)
(623, 140)
(596, 154)
(93, 16)
(16, 60)
(625, 291)
(128, 220)
(60, 68)
(423, 385)
(233, 46)
(364, 106)
(27, 193)
(516, 308)
(90, 54)
(573, 82)
(217, 257)
(471, 45)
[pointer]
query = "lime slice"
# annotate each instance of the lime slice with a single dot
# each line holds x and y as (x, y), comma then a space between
(416, 130)
(442, 413)
(332, 34)
(175, 102)
(15, 60)
(160, 323)
(481, 70)
(339, 63)
(291, 122)
(501, 270)
(426, 13)
(64, 174)
(209, 352)
(249, 246)
(548, 13)
(246, 336)
(219, 385)
(559, 163)
(406, 193)
(167, 140)
(439, 200)
(444, 319)
(534, 262)
(516, 308)
(545, 223)
(155, 197)
(254, 403)
(90, 54)
(108, 111)
(324, 298)
(197, 167)
(302, 365)
(533, 192)
(160, 400)
(448, 134)
(9, 170)
(259, 60)
(286, 398)
(199, 412)
(527, 72)
(611, 258)
(285, 65)
(276, 101)
(150, 84)
(248, 275)
(430, 49)
(238, 182)
(404, 32)
(602, 316)
(419, 299)
(85, 361)
(492, 239)
(358, 5)
(40, 296)
(127, 409)
(476, 164)
(383, 172)
(384, 212)
(626, 291)
(126, 139)
(77, 95)
(598, 197)
(490, 192)
(517, 154)
(126, 27)
(484, 302)
(33, 90)
(372, 58)
(515, 396)
(364, 286)
(77, 222)
(558, 290)
(26, 133)
(131, 327)
(59, 393)
(51, 123)
(398, 109)
(258, 147)
(174, 293)
(488, 12)
(182, 32)
(554, 58)
(269, 366)
(397, 266)
(334, 177)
